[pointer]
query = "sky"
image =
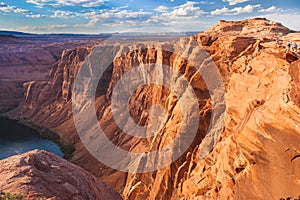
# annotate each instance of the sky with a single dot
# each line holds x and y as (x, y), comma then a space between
(108, 16)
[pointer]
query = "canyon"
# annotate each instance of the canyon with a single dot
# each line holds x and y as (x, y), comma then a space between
(246, 144)
(29, 57)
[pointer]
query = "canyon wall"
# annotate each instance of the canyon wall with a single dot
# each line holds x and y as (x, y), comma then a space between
(252, 150)
(29, 58)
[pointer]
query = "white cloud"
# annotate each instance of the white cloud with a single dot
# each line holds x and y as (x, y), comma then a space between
(63, 14)
(21, 10)
(58, 3)
(187, 10)
(185, 17)
(87, 15)
(13, 9)
(207, 2)
(35, 15)
(84, 3)
(6, 8)
(113, 16)
(234, 2)
(39, 3)
(162, 9)
(285, 19)
(270, 10)
(236, 10)
(129, 14)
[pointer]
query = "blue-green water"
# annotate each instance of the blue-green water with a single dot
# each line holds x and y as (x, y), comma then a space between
(17, 139)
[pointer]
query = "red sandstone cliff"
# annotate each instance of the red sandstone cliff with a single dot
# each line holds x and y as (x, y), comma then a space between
(39, 174)
(256, 156)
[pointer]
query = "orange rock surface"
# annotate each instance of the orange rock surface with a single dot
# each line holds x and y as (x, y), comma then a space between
(255, 155)
(39, 174)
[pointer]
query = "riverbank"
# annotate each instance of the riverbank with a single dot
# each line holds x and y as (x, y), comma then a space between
(66, 148)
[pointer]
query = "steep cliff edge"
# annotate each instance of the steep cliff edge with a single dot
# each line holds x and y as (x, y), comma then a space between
(256, 156)
(39, 174)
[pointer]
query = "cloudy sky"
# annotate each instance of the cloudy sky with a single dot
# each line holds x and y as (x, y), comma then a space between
(102, 16)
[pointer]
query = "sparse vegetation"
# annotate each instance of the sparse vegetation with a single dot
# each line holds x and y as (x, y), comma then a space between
(10, 196)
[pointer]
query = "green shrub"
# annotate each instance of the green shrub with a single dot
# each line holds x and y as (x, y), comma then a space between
(10, 196)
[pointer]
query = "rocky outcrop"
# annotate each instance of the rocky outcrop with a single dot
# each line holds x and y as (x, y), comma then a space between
(254, 156)
(39, 174)
(257, 27)
(294, 72)
(253, 160)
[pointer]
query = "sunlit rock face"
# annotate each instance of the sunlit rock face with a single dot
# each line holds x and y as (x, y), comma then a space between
(255, 159)
(253, 147)
(53, 110)
(39, 174)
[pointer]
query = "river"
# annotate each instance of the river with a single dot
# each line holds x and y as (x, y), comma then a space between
(17, 139)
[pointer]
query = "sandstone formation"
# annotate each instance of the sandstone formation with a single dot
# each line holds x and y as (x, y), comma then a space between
(40, 99)
(257, 27)
(39, 174)
(255, 155)
(30, 58)
(294, 71)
